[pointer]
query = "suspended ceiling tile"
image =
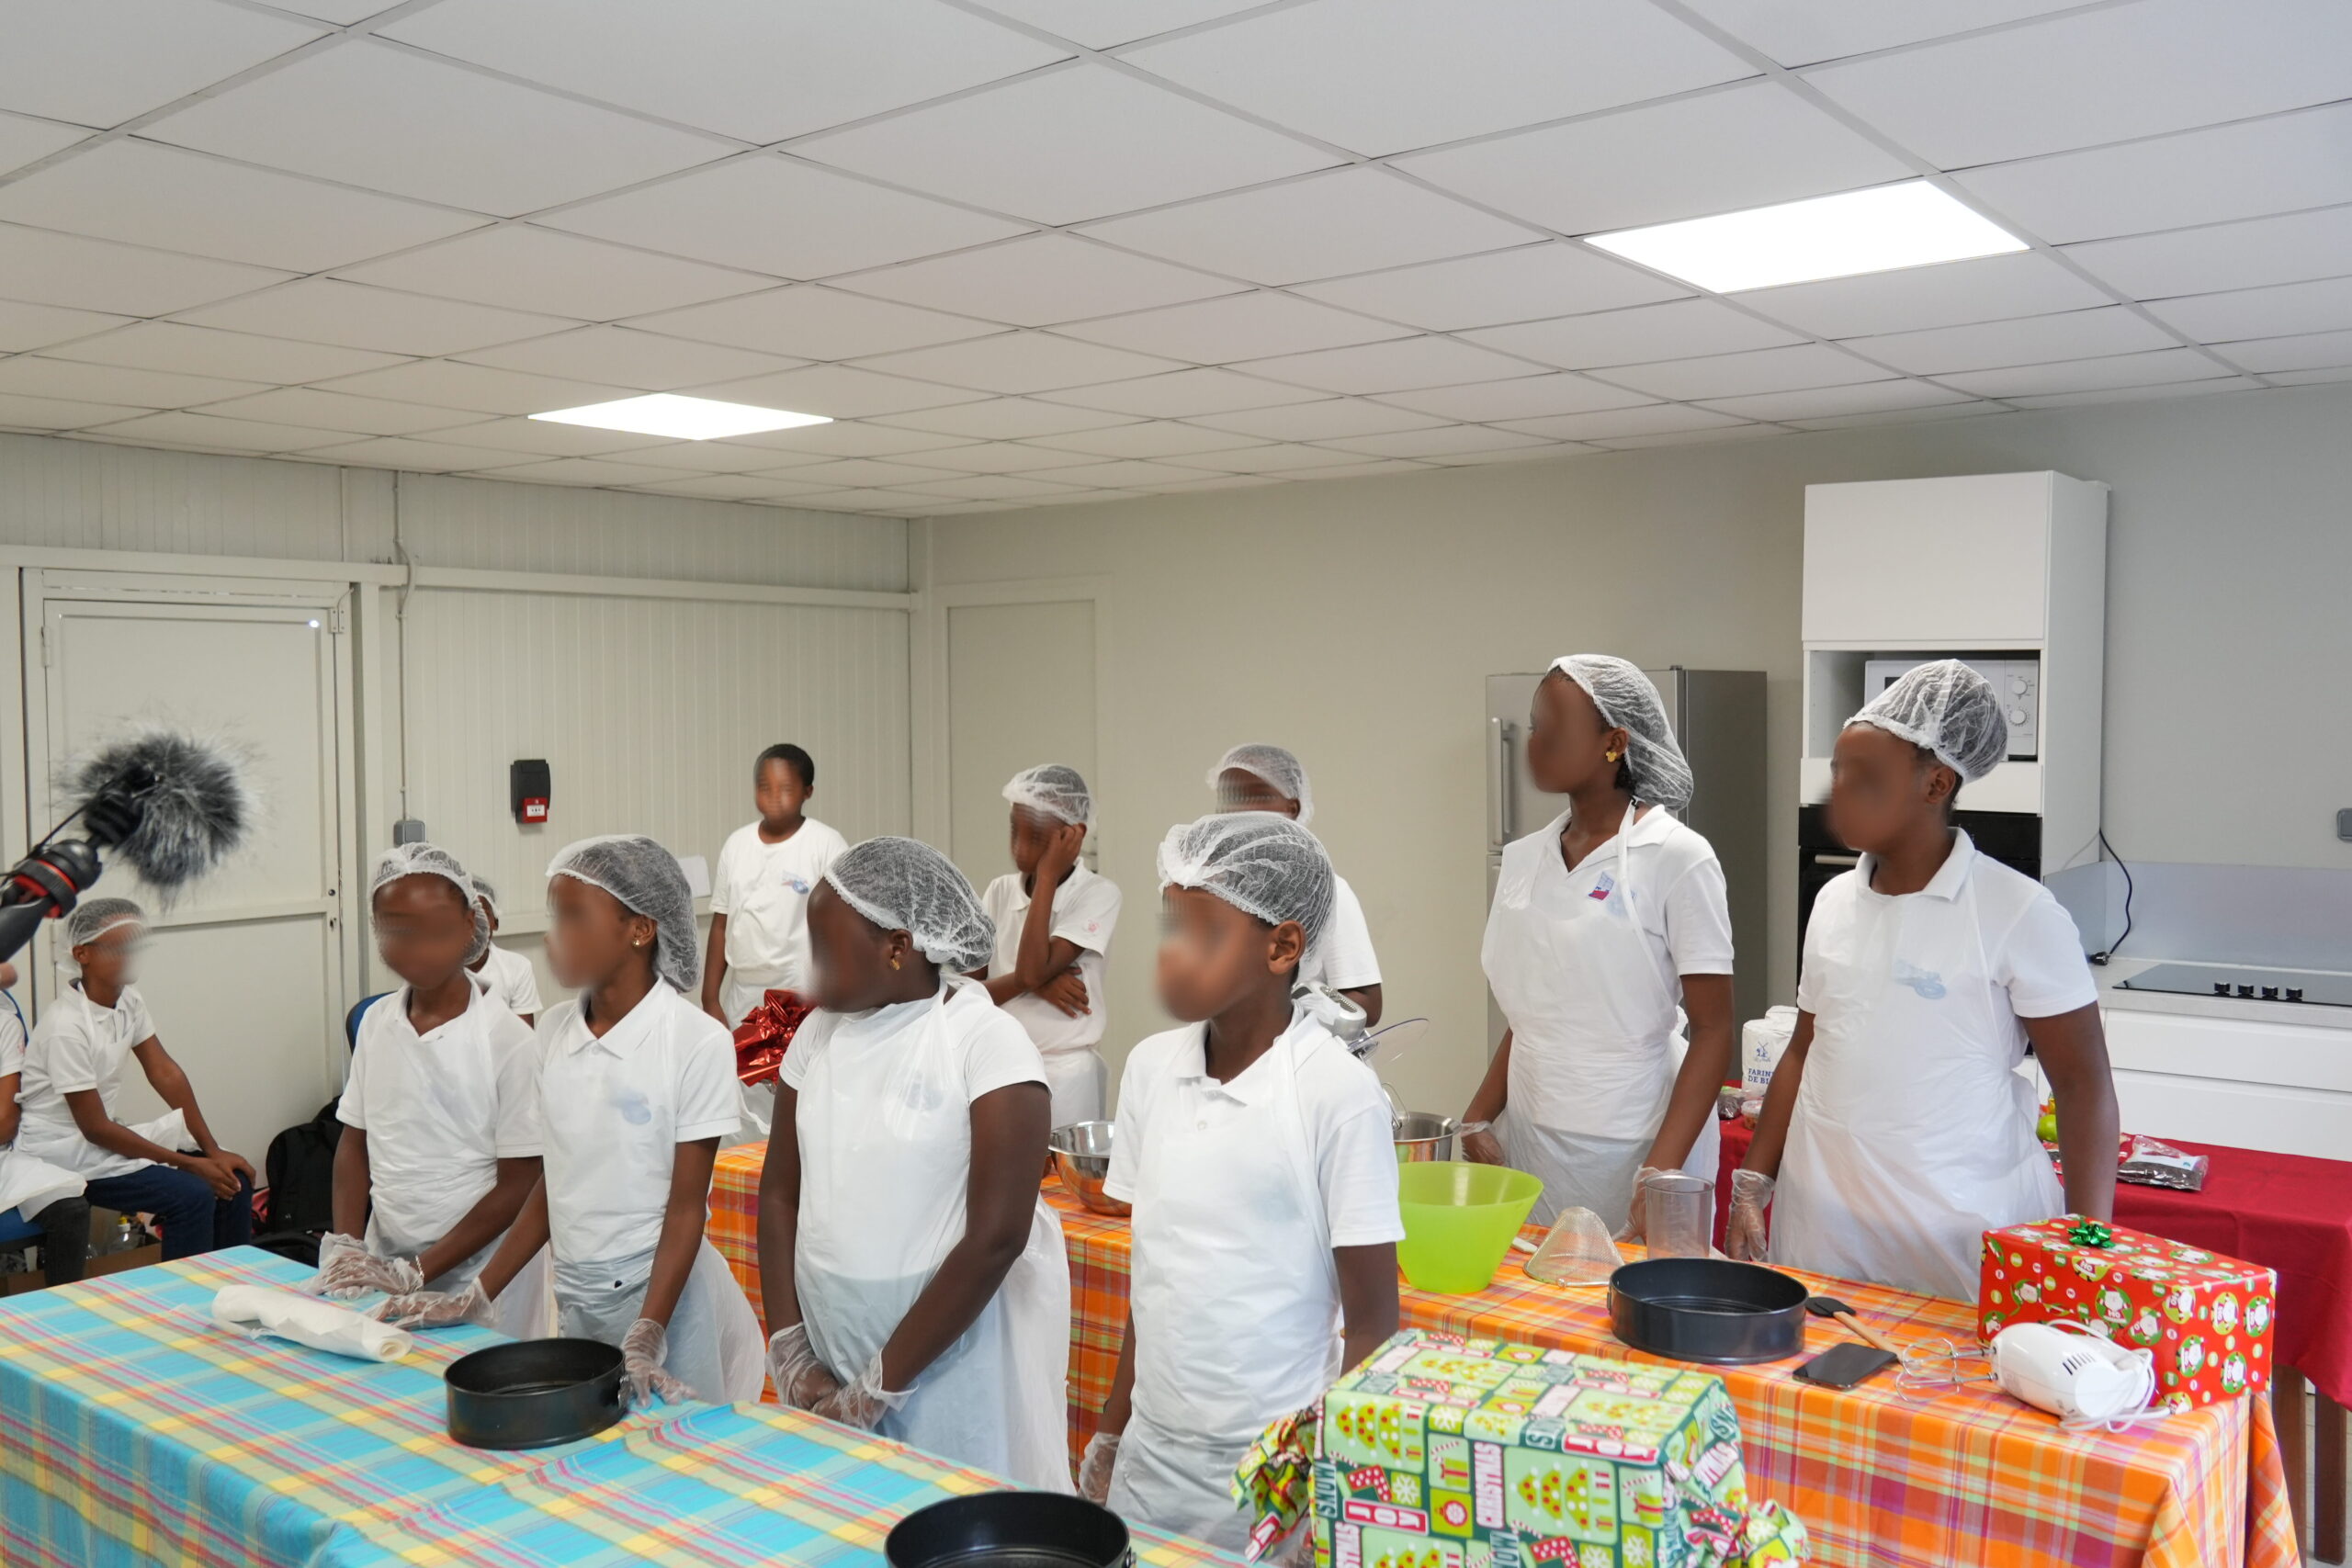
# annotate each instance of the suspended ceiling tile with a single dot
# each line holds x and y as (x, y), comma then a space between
(770, 214)
(44, 268)
(1523, 284)
(524, 268)
(1038, 280)
(749, 69)
(814, 323)
(1343, 221)
(1258, 324)
(354, 315)
(1009, 148)
(1387, 76)
(1916, 299)
(150, 195)
(385, 119)
(101, 64)
(1746, 146)
(1677, 329)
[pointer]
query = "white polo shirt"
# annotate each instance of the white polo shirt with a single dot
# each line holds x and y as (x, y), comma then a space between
(1343, 959)
(79, 1045)
(440, 1110)
(615, 1111)
(1236, 1313)
(1086, 908)
(762, 889)
(509, 978)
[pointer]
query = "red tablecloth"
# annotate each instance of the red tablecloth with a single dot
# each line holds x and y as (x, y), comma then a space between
(2288, 1212)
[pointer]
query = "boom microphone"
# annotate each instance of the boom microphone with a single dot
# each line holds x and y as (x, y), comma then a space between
(168, 805)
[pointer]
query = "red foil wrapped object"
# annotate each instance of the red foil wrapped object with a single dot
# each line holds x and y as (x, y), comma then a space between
(766, 1031)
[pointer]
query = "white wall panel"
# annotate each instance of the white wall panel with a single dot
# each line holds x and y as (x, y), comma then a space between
(91, 495)
(496, 525)
(649, 711)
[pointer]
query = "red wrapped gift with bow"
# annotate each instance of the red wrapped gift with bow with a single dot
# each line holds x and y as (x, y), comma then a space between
(762, 1039)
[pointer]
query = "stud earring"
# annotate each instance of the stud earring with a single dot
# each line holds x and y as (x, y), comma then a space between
(1610, 755)
(894, 963)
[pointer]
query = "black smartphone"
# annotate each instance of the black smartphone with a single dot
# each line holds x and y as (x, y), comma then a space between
(1843, 1366)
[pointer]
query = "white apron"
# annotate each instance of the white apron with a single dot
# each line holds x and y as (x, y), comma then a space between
(29, 1185)
(738, 997)
(882, 1202)
(1912, 1134)
(714, 1346)
(1596, 1034)
(1240, 1202)
(1080, 1081)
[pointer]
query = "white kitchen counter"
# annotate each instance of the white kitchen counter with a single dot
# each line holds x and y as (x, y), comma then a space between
(2224, 1070)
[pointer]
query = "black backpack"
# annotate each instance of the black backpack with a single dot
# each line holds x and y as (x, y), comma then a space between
(300, 1169)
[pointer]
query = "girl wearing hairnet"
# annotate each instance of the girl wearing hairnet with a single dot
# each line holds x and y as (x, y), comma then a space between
(637, 1088)
(1605, 921)
(1046, 968)
(915, 1280)
(1897, 1131)
(1258, 1155)
(1255, 776)
(441, 1139)
(172, 1167)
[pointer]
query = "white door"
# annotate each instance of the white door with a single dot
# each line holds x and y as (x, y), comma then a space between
(1020, 691)
(245, 972)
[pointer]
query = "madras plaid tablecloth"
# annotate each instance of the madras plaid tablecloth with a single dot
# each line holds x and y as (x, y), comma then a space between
(751, 1483)
(1879, 1477)
(133, 1431)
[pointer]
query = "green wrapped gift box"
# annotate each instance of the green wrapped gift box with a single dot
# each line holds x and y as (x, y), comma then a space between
(1444, 1452)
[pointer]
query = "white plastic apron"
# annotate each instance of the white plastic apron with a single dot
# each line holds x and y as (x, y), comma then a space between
(1912, 1134)
(1078, 1078)
(29, 1185)
(1240, 1201)
(738, 997)
(1596, 1034)
(886, 1160)
(714, 1343)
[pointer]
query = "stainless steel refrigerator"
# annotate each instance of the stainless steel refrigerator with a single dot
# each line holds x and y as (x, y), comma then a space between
(1718, 716)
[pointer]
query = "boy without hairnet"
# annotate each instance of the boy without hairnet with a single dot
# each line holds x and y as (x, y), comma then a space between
(1257, 1153)
(1255, 776)
(1897, 1132)
(72, 1079)
(637, 1087)
(915, 1279)
(1054, 918)
(759, 894)
(441, 1137)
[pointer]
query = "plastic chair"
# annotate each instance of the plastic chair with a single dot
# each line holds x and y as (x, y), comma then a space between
(351, 1019)
(15, 1231)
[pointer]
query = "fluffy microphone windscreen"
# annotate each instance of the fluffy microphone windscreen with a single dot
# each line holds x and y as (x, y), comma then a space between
(191, 797)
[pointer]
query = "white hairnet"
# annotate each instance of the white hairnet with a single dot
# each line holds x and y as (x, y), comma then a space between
(648, 881)
(904, 885)
(93, 918)
(1627, 701)
(424, 859)
(1259, 863)
(1948, 708)
(488, 895)
(1059, 792)
(1277, 767)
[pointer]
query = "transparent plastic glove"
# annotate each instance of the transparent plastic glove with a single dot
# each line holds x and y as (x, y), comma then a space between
(1483, 1147)
(642, 1349)
(438, 1309)
(1743, 1235)
(864, 1402)
(1636, 1218)
(1095, 1467)
(333, 1247)
(800, 1379)
(358, 1272)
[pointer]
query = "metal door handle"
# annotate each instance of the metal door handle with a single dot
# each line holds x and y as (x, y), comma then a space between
(1499, 783)
(1836, 859)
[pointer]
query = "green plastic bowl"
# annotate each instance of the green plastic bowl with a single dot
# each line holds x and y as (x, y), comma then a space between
(1460, 1219)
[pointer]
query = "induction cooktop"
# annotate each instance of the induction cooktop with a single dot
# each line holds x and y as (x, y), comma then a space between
(2288, 988)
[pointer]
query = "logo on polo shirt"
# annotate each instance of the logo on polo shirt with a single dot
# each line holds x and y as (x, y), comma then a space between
(1604, 888)
(1926, 983)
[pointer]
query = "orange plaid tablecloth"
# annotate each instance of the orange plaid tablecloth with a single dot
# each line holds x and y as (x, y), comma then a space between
(1878, 1477)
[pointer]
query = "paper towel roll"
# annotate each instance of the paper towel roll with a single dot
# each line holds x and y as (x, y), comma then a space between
(306, 1320)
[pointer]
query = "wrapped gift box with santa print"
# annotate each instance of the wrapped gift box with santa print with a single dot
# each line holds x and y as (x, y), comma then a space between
(2206, 1317)
(1442, 1452)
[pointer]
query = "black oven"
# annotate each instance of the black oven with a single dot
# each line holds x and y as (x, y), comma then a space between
(2013, 838)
